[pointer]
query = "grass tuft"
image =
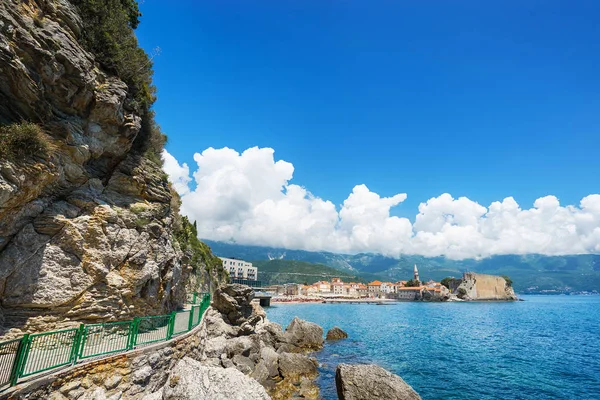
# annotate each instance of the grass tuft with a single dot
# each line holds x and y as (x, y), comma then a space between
(22, 140)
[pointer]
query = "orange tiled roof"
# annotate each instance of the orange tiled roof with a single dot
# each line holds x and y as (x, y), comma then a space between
(375, 283)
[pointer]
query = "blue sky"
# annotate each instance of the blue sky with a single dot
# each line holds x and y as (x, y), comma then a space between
(474, 99)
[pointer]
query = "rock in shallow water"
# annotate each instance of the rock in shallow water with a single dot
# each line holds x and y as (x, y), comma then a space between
(366, 382)
(336, 333)
(304, 334)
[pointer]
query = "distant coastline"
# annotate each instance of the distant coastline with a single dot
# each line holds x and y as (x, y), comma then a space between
(557, 293)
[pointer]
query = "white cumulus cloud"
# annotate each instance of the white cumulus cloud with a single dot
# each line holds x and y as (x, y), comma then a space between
(248, 197)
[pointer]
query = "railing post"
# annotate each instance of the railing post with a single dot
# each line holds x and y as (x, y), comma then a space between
(191, 321)
(77, 344)
(19, 359)
(132, 333)
(195, 297)
(171, 327)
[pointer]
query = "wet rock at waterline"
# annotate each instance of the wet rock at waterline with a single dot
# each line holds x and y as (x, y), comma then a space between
(367, 382)
(303, 334)
(336, 333)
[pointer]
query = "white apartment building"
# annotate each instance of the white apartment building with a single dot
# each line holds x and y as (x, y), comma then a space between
(240, 269)
(387, 287)
(338, 288)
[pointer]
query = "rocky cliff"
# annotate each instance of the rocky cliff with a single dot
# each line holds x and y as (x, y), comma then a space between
(87, 216)
(484, 287)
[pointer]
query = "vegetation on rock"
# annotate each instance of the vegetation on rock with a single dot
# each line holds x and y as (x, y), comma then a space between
(198, 253)
(109, 34)
(21, 140)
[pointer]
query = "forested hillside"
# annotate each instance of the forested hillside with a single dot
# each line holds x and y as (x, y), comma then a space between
(530, 273)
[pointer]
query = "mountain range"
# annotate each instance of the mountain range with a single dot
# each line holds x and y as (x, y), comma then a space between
(531, 273)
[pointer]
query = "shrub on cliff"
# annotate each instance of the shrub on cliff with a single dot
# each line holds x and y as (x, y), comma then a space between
(186, 235)
(509, 281)
(21, 140)
(108, 33)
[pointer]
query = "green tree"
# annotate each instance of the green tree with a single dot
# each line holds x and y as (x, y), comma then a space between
(446, 282)
(509, 281)
(412, 283)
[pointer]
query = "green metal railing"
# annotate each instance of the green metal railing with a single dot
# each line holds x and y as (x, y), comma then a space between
(49, 350)
(100, 339)
(195, 298)
(182, 321)
(8, 356)
(152, 329)
(40, 352)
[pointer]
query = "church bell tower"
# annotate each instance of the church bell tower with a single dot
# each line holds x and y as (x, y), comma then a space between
(416, 274)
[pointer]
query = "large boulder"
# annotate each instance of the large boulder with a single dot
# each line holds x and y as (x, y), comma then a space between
(243, 345)
(366, 382)
(190, 380)
(217, 327)
(234, 301)
(270, 333)
(303, 334)
(215, 347)
(336, 333)
(270, 359)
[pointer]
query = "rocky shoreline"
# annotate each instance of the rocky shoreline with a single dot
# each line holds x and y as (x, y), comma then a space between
(249, 357)
(240, 336)
(246, 356)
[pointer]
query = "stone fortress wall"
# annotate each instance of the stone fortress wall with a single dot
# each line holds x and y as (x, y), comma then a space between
(486, 287)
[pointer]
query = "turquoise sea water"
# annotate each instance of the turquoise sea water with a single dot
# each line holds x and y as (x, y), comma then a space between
(547, 347)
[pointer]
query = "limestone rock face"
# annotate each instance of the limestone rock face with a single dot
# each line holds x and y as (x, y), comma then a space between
(366, 382)
(86, 232)
(336, 333)
(190, 380)
(304, 334)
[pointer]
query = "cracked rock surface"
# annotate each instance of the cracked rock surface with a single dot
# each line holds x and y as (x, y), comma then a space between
(86, 232)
